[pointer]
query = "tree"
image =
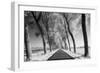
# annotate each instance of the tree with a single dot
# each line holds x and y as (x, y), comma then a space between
(84, 34)
(26, 42)
(37, 17)
(45, 20)
(26, 36)
(62, 35)
(67, 36)
(68, 19)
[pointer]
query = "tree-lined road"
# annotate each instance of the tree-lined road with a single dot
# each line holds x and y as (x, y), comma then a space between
(60, 55)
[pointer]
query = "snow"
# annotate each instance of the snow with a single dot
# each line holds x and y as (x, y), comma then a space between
(75, 55)
(40, 56)
(79, 53)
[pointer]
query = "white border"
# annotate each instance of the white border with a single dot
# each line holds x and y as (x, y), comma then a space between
(18, 35)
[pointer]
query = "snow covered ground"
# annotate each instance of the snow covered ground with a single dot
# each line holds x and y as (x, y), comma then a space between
(79, 53)
(40, 56)
(75, 55)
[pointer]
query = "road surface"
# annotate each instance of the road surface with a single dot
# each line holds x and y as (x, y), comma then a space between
(60, 55)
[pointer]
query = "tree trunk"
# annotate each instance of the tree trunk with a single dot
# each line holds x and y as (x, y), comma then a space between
(71, 37)
(72, 40)
(43, 39)
(70, 33)
(68, 40)
(49, 42)
(61, 46)
(26, 43)
(85, 35)
(40, 29)
(44, 45)
(65, 44)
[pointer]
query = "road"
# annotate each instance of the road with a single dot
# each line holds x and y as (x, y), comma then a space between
(60, 55)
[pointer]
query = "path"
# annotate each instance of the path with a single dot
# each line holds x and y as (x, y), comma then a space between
(60, 55)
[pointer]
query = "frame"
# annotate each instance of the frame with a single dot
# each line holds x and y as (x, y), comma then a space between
(17, 35)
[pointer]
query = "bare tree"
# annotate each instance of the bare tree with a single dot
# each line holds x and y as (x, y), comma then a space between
(37, 17)
(26, 42)
(26, 37)
(45, 20)
(68, 19)
(84, 34)
(67, 36)
(62, 34)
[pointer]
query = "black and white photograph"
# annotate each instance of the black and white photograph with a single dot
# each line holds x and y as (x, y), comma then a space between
(56, 36)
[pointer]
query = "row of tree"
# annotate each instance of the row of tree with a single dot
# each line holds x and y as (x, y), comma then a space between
(42, 19)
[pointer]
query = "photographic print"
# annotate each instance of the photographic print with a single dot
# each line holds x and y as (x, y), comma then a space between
(56, 36)
(52, 36)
